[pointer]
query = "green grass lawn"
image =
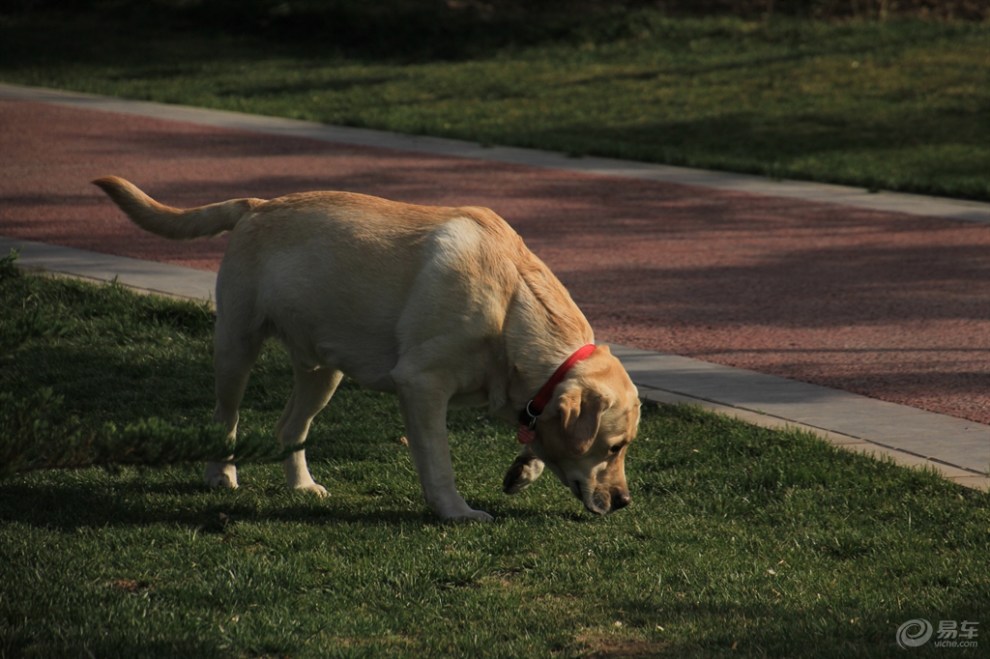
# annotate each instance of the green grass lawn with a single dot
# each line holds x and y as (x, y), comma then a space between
(740, 540)
(898, 105)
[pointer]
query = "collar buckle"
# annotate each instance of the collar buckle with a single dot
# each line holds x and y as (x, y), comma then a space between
(534, 408)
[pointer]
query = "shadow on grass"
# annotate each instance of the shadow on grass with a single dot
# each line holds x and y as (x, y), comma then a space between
(779, 628)
(399, 30)
(420, 30)
(182, 500)
(70, 507)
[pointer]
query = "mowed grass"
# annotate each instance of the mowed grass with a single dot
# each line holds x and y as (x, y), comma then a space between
(740, 540)
(898, 105)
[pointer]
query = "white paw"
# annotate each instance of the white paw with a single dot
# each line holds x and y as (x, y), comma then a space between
(221, 475)
(315, 488)
(470, 515)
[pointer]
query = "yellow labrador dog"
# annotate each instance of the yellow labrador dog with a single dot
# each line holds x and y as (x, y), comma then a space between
(442, 306)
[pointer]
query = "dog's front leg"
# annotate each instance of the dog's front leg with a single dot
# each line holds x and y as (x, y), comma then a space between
(424, 408)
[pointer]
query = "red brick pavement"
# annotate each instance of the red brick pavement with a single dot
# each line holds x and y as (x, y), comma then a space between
(887, 305)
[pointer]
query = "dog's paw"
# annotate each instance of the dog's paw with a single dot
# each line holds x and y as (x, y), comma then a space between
(221, 475)
(314, 488)
(471, 515)
(459, 511)
(522, 472)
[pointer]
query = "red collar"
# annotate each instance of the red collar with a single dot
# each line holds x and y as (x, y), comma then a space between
(534, 408)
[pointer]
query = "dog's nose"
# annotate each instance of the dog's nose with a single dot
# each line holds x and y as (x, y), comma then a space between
(620, 500)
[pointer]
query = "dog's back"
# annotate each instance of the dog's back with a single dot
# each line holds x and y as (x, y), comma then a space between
(350, 280)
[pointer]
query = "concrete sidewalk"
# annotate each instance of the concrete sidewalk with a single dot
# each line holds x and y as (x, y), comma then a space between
(956, 448)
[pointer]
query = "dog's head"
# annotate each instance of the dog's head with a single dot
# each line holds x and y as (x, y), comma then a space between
(583, 435)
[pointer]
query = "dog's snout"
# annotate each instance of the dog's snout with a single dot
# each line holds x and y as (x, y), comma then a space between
(620, 500)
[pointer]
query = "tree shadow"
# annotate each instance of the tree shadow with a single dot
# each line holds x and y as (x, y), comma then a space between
(755, 629)
(394, 30)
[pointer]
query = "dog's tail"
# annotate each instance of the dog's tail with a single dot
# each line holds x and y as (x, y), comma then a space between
(174, 223)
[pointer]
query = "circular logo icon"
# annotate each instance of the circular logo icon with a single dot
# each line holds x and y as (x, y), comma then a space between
(914, 633)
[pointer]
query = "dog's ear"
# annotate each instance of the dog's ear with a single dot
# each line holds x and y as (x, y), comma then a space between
(522, 472)
(580, 412)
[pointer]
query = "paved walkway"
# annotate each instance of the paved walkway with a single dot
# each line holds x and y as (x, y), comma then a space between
(628, 228)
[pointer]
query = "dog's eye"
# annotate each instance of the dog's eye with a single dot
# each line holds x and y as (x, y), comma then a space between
(615, 448)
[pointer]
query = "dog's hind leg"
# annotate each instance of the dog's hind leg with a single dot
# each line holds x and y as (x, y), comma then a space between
(233, 357)
(310, 394)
